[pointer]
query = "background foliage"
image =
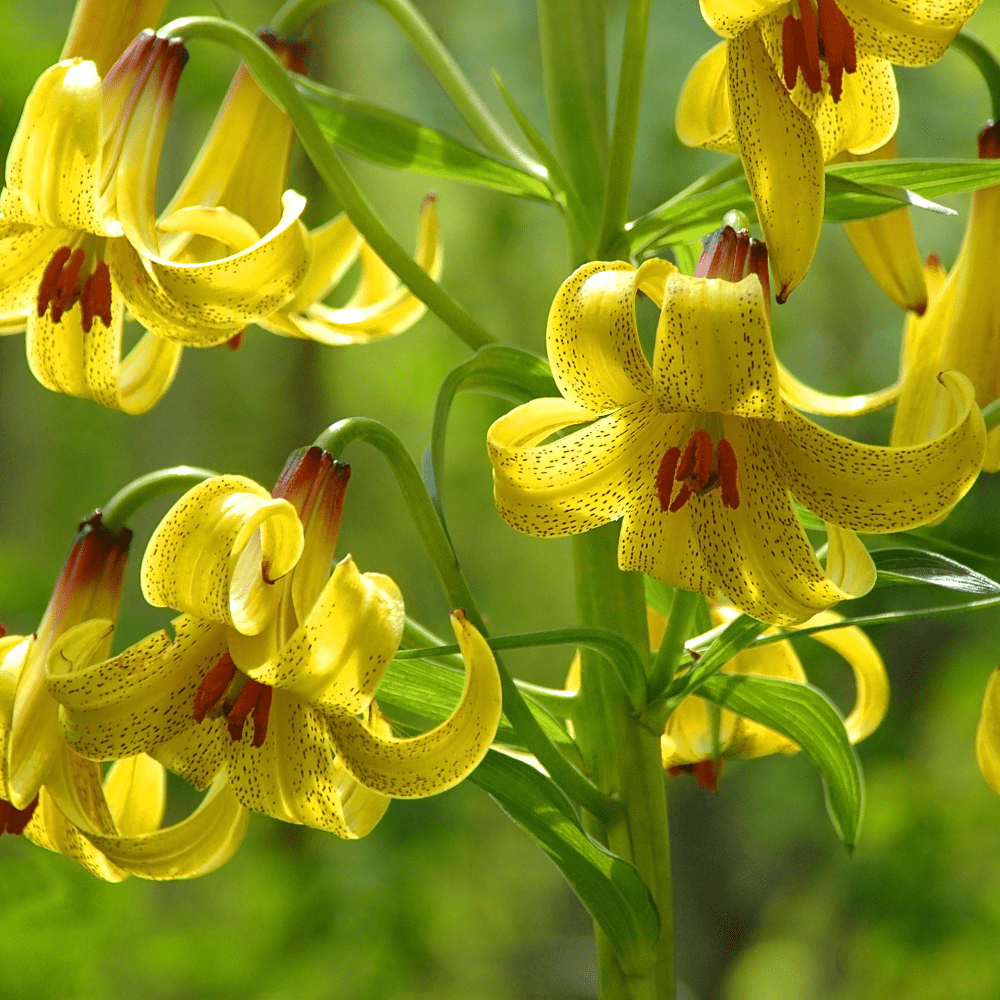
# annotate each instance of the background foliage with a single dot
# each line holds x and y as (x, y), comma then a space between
(446, 899)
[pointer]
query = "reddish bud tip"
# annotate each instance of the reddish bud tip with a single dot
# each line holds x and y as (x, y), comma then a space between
(989, 141)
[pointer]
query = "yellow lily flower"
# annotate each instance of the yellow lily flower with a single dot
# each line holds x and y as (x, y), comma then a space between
(988, 733)
(269, 635)
(701, 455)
(112, 827)
(101, 30)
(233, 193)
(788, 93)
(78, 243)
(961, 328)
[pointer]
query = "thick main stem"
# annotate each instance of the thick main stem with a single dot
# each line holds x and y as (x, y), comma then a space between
(623, 758)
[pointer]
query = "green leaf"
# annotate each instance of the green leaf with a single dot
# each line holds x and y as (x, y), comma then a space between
(908, 565)
(496, 370)
(608, 886)
(804, 714)
(384, 137)
(848, 200)
(924, 177)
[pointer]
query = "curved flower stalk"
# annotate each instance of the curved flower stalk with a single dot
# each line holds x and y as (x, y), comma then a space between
(788, 93)
(112, 827)
(701, 455)
(272, 672)
(233, 193)
(78, 240)
(961, 328)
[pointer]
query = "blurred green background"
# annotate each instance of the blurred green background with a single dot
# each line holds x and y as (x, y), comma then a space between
(446, 900)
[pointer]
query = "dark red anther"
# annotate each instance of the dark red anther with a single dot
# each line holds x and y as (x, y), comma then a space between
(811, 72)
(707, 774)
(65, 293)
(95, 299)
(792, 50)
(681, 499)
(256, 698)
(837, 38)
(15, 820)
(235, 342)
(261, 713)
(213, 687)
(702, 471)
(726, 472)
(665, 477)
(50, 278)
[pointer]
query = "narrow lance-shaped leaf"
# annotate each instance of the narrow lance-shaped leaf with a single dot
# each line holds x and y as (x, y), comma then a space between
(805, 715)
(908, 565)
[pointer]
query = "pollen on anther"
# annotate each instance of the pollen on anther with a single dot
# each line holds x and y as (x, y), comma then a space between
(727, 468)
(213, 687)
(665, 476)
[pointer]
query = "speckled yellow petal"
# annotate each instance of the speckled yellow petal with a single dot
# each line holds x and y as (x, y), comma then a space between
(24, 253)
(55, 160)
(713, 349)
(730, 17)
(436, 760)
(198, 753)
(220, 553)
(200, 844)
(136, 791)
(592, 338)
(587, 478)
(137, 700)
(335, 659)
(13, 650)
(907, 32)
(849, 565)
(871, 699)
(703, 116)
(296, 777)
(782, 156)
(922, 334)
(988, 733)
(804, 397)
(872, 488)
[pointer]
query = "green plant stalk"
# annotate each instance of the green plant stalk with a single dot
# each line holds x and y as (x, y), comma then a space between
(271, 75)
(626, 128)
(679, 629)
(334, 440)
(291, 17)
(623, 757)
(180, 478)
(984, 60)
(991, 414)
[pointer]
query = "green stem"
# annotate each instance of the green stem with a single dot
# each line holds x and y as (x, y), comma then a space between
(626, 127)
(678, 631)
(334, 440)
(991, 414)
(139, 492)
(461, 93)
(624, 758)
(984, 60)
(271, 75)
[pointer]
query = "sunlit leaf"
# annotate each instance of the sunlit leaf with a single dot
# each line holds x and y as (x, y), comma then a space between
(907, 565)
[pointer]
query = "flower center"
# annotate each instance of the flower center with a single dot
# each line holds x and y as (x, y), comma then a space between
(66, 281)
(15, 820)
(698, 471)
(822, 33)
(253, 699)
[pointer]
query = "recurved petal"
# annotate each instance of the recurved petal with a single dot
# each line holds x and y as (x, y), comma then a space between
(436, 760)
(296, 777)
(220, 553)
(337, 656)
(871, 699)
(729, 17)
(135, 701)
(805, 397)
(877, 489)
(591, 476)
(783, 158)
(907, 32)
(54, 163)
(849, 565)
(13, 650)
(703, 117)
(988, 733)
(592, 338)
(713, 349)
(24, 253)
(136, 791)
(204, 841)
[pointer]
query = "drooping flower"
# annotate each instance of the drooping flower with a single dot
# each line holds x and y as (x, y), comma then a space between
(101, 30)
(272, 672)
(233, 193)
(700, 454)
(961, 328)
(788, 93)
(79, 244)
(111, 826)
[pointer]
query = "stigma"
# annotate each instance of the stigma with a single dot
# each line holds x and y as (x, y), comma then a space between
(699, 469)
(820, 35)
(65, 282)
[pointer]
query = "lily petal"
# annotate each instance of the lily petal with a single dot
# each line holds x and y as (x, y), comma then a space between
(704, 119)
(587, 478)
(219, 552)
(136, 790)
(804, 397)
(13, 651)
(876, 489)
(849, 564)
(730, 17)
(24, 253)
(713, 349)
(988, 733)
(592, 337)
(335, 659)
(783, 158)
(437, 760)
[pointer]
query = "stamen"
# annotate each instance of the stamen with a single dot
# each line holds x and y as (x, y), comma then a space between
(50, 278)
(665, 477)
(810, 68)
(213, 687)
(256, 698)
(681, 499)
(821, 35)
(15, 820)
(261, 713)
(95, 300)
(66, 294)
(707, 774)
(727, 466)
(696, 471)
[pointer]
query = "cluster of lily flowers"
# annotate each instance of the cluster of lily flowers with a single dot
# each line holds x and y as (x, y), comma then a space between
(264, 695)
